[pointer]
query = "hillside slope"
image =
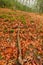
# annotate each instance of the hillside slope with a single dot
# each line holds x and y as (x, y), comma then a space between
(31, 37)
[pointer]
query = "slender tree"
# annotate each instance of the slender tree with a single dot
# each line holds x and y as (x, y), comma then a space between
(39, 6)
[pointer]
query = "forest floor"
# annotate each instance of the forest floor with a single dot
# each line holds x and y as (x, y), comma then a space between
(31, 37)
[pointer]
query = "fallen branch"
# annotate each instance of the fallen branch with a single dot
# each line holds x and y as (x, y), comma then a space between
(20, 60)
(19, 47)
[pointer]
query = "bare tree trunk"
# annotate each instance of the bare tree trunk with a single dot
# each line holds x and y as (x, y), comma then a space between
(26, 5)
(23, 1)
(29, 2)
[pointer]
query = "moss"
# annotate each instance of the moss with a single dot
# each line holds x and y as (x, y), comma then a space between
(1, 57)
(23, 19)
(11, 13)
(7, 17)
(3, 16)
(12, 19)
(11, 31)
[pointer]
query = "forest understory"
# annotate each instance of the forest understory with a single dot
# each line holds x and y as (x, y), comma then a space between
(21, 35)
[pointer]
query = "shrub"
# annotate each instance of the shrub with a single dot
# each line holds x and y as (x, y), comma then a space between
(7, 3)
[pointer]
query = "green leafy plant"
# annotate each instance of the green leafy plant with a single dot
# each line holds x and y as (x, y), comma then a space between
(23, 19)
(1, 57)
(3, 16)
(11, 31)
(12, 19)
